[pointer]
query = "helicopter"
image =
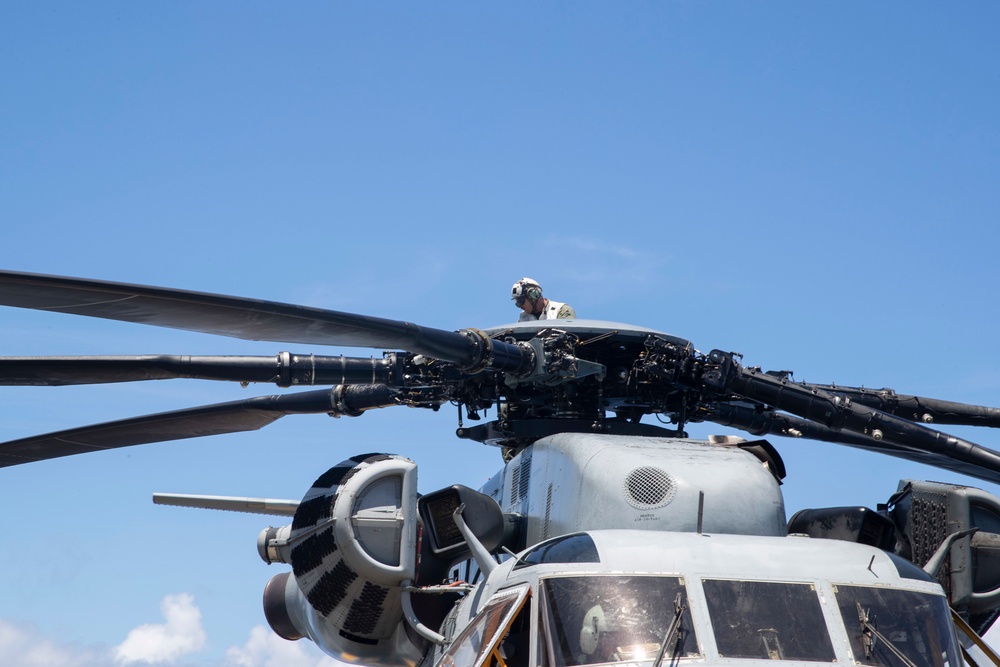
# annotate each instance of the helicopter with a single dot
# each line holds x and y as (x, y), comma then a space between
(603, 540)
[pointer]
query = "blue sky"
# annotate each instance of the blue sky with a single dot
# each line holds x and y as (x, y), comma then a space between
(814, 186)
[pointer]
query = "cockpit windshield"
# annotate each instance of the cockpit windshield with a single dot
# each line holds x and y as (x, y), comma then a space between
(767, 620)
(894, 628)
(608, 619)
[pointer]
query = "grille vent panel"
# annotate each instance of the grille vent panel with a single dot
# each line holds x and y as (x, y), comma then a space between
(648, 487)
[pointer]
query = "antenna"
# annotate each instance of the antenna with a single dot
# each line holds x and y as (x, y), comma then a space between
(701, 510)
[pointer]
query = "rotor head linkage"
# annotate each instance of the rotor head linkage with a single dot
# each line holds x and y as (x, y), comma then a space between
(518, 359)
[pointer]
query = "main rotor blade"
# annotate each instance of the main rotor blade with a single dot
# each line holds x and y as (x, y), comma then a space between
(233, 417)
(980, 462)
(871, 425)
(250, 319)
(285, 369)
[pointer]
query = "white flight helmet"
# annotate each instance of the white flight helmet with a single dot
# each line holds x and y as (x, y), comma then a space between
(525, 289)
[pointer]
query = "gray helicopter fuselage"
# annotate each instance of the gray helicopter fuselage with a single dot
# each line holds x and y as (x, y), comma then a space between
(649, 529)
(609, 596)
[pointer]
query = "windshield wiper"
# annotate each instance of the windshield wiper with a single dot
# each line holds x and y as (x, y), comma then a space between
(869, 634)
(672, 633)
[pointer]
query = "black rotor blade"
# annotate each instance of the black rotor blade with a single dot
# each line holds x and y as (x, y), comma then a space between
(868, 424)
(250, 319)
(284, 369)
(918, 408)
(983, 465)
(233, 417)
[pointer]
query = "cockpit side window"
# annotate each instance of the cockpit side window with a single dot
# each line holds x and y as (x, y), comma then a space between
(767, 620)
(577, 548)
(894, 628)
(479, 644)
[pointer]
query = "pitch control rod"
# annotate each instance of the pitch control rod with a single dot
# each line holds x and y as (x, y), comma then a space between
(917, 408)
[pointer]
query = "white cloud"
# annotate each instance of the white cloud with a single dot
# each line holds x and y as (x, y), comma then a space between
(266, 649)
(23, 646)
(165, 643)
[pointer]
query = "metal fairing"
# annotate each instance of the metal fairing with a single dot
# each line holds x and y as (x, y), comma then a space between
(608, 481)
(525, 330)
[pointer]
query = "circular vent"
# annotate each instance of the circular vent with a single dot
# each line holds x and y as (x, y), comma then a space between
(648, 488)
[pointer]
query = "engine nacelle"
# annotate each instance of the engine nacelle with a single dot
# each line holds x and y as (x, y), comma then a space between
(926, 513)
(351, 545)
